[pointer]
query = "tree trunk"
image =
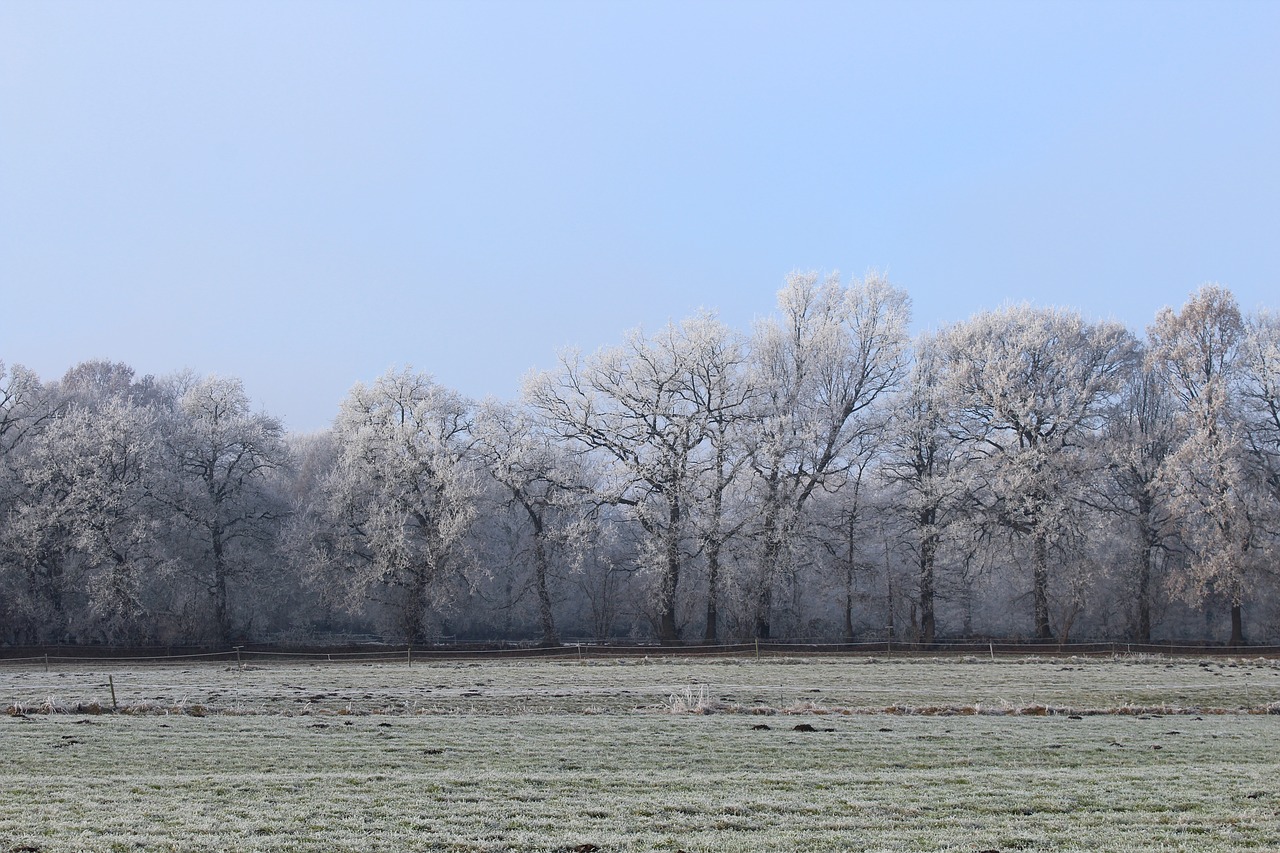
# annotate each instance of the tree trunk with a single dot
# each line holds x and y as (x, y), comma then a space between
(550, 636)
(221, 618)
(1237, 626)
(415, 606)
(712, 632)
(668, 632)
(1143, 634)
(764, 598)
(1040, 590)
(928, 556)
(1150, 552)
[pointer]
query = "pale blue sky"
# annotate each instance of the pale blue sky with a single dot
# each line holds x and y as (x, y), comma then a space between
(306, 194)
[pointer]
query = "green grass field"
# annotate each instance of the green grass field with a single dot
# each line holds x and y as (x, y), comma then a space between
(645, 755)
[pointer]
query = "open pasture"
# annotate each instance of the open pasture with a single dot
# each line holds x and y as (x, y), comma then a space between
(664, 754)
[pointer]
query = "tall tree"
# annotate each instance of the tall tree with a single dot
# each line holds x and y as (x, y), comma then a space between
(30, 549)
(647, 406)
(1260, 395)
(537, 476)
(819, 367)
(1197, 350)
(95, 468)
(222, 454)
(919, 458)
(1029, 386)
(1141, 433)
(402, 493)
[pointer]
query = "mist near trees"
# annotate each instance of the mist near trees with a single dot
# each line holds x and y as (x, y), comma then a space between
(1026, 473)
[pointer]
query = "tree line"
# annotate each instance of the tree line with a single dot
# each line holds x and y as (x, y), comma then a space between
(1024, 473)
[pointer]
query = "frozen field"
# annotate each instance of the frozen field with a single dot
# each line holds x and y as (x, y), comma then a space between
(645, 755)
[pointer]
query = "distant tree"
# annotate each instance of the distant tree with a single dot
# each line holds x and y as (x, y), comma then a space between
(819, 367)
(401, 497)
(639, 407)
(1140, 435)
(221, 455)
(1029, 387)
(920, 458)
(539, 477)
(93, 469)
(1197, 351)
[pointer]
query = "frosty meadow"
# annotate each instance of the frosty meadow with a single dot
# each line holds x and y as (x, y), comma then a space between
(672, 754)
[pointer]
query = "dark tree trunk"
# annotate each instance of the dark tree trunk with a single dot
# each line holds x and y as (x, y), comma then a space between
(764, 598)
(928, 556)
(415, 607)
(550, 636)
(1150, 553)
(221, 617)
(1040, 590)
(1237, 626)
(712, 632)
(1143, 634)
(668, 632)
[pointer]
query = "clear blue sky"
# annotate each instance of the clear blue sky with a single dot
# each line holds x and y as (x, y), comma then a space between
(306, 194)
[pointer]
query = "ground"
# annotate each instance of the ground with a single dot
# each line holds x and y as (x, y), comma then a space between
(628, 755)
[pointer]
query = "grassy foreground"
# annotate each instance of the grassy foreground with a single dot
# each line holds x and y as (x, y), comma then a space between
(659, 755)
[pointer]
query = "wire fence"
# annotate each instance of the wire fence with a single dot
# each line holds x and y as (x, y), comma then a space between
(408, 654)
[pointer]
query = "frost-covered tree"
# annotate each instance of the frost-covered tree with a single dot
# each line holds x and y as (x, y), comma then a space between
(920, 454)
(25, 403)
(402, 495)
(1029, 387)
(1260, 397)
(1198, 351)
(29, 571)
(221, 457)
(93, 469)
(719, 385)
(1140, 434)
(819, 367)
(634, 406)
(540, 478)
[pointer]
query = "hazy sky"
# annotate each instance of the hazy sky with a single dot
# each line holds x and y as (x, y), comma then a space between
(307, 194)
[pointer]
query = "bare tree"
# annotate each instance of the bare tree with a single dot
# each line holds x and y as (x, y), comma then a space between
(918, 462)
(647, 407)
(1260, 395)
(1197, 350)
(1029, 386)
(818, 367)
(539, 477)
(222, 453)
(402, 494)
(1140, 436)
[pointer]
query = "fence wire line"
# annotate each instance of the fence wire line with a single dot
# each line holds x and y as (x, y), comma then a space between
(410, 654)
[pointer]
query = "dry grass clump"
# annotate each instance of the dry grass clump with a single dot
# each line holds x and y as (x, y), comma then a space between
(699, 702)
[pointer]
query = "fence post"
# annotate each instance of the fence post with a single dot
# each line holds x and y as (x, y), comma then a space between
(111, 682)
(757, 650)
(46, 662)
(408, 655)
(239, 663)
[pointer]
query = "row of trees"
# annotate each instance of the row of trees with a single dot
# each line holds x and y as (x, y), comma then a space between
(1025, 472)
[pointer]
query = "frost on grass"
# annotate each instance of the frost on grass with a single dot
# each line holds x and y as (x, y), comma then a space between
(925, 687)
(640, 782)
